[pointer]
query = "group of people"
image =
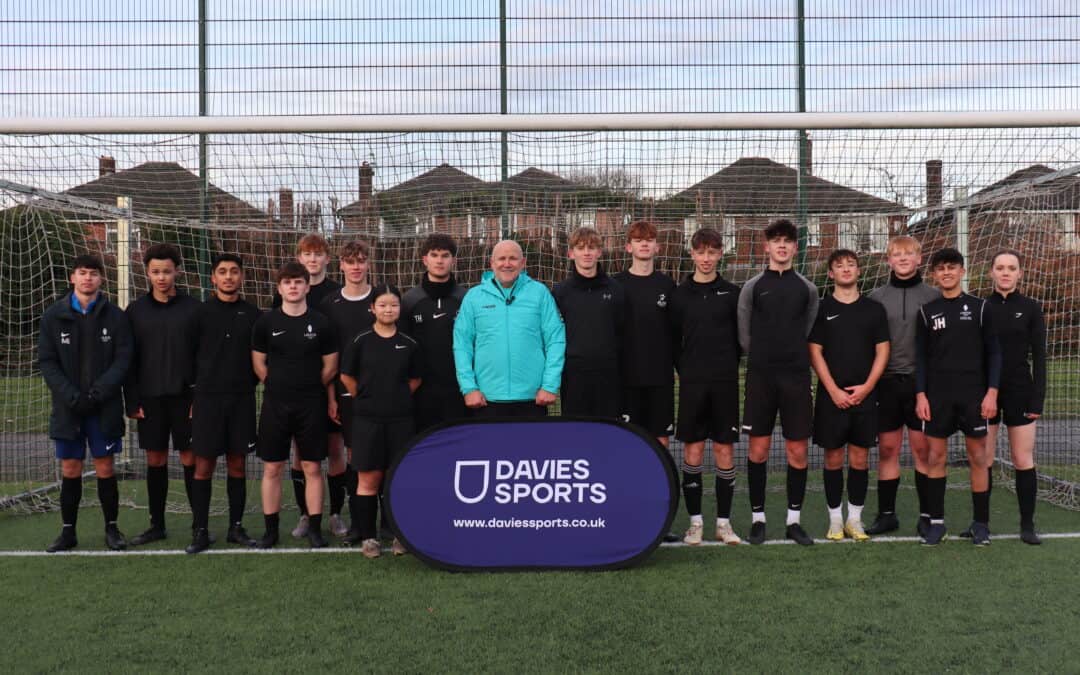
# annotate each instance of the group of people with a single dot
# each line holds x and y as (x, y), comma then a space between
(352, 371)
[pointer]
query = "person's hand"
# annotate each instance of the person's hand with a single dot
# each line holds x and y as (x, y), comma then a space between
(922, 407)
(989, 406)
(138, 414)
(840, 398)
(86, 404)
(858, 393)
(544, 398)
(332, 410)
(474, 399)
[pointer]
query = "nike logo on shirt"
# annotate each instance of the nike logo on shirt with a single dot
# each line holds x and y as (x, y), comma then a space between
(438, 316)
(830, 318)
(401, 346)
(277, 333)
(64, 336)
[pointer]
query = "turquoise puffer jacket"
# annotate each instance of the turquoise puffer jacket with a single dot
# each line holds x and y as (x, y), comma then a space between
(509, 342)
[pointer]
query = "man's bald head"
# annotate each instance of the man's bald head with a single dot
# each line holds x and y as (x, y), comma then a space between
(507, 262)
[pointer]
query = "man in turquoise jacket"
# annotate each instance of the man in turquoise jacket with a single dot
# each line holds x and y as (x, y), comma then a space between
(509, 341)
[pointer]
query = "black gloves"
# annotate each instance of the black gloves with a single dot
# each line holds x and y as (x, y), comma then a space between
(87, 404)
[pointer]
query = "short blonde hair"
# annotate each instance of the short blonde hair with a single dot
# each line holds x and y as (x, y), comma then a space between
(904, 241)
(586, 236)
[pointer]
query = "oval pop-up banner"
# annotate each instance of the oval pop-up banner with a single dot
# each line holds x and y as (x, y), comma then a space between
(556, 493)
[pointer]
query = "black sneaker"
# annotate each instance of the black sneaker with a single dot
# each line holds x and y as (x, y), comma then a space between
(757, 533)
(980, 534)
(269, 539)
(114, 538)
(352, 538)
(315, 538)
(883, 524)
(671, 538)
(200, 541)
(796, 533)
(209, 534)
(1029, 536)
(935, 534)
(65, 542)
(967, 534)
(922, 526)
(153, 534)
(238, 535)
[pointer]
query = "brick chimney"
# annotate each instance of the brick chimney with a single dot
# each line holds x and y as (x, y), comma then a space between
(934, 189)
(367, 175)
(285, 206)
(106, 166)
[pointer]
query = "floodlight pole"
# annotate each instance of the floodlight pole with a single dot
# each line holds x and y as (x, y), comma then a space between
(504, 207)
(804, 154)
(204, 160)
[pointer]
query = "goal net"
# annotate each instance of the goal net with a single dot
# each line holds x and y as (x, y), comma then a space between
(979, 189)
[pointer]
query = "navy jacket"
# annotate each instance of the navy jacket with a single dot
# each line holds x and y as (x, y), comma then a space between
(110, 355)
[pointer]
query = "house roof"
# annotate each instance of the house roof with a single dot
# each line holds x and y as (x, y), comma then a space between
(533, 180)
(165, 189)
(1017, 191)
(757, 186)
(429, 189)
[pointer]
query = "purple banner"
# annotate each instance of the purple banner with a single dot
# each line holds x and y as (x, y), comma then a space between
(557, 493)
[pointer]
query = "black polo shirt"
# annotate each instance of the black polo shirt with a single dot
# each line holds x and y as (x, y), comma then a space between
(647, 359)
(849, 334)
(382, 368)
(294, 347)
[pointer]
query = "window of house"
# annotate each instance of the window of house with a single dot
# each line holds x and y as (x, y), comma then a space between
(690, 226)
(813, 231)
(847, 235)
(1070, 231)
(878, 233)
(727, 232)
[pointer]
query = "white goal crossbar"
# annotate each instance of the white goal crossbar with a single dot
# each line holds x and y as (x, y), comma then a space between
(537, 122)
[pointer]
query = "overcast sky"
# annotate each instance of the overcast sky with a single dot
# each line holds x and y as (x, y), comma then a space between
(126, 57)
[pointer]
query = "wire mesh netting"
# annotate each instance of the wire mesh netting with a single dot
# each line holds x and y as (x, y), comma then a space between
(256, 194)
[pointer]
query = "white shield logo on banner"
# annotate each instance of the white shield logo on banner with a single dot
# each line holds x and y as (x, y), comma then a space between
(457, 479)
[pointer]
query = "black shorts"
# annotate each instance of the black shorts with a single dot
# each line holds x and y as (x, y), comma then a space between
(652, 408)
(378, 441)
(896, 403)
(223, 424)
(956, 409)
(1013, 405)
(437, 403)
(708, 410)
(166, 417)
(834, 428)
(772, 392)
(282, 421)
(594, 393)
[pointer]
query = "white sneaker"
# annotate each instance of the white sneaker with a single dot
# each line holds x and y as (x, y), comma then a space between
(301, 529)
(727, 535)
(371, 548)
(693, 535)
(338, 526)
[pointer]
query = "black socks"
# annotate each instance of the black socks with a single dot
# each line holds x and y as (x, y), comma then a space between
(887, 493)
(237, 491)
(725, 490)
(70, 496)
(157, 491)
(109, 496)
(691, 488)
(1027, 489)
(756, 478)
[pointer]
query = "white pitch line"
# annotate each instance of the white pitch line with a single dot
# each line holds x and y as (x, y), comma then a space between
(356, 551)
